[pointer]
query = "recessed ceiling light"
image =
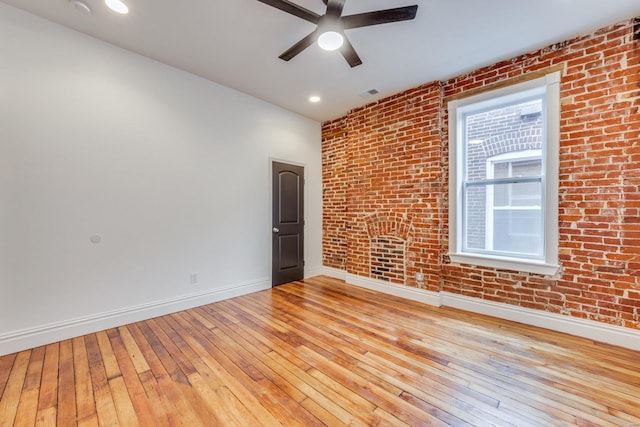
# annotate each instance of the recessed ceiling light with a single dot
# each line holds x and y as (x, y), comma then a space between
(314, 99)
(117, 6)
(81, 6)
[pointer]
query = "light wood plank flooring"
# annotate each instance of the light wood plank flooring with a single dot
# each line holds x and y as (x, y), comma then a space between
(322, 353)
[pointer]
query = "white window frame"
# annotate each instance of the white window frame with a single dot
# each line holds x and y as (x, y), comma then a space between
(549, 85)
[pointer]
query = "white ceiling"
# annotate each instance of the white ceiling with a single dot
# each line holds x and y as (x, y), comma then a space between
(237, 42)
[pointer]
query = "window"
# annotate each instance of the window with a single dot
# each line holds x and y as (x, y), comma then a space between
(503, 182)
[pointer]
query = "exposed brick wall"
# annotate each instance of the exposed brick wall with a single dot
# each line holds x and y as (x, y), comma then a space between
(391, 158)
(385, 160)
(335, 177)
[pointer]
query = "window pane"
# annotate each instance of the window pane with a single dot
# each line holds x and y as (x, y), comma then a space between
(532, 167)
(504, 218)
(475, 218)
(518, 231)
(501, 170)
(522, 194)
(500, 132)
(500, 143)
(517, 218)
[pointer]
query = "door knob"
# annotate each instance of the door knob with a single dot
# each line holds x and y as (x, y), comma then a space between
(275, 230)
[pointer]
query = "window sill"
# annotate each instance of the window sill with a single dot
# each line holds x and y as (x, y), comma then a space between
(527, 266)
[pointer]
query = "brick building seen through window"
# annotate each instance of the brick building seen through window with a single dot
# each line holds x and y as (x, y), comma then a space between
(504, 143)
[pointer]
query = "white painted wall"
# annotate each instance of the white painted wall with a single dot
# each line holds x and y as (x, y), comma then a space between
(171, 170)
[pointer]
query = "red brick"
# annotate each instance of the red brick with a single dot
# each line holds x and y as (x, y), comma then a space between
(390, 158)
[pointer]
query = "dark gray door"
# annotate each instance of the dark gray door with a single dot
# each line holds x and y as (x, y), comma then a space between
(288, 223)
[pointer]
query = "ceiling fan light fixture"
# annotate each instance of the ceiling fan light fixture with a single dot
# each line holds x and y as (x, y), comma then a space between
(117, 6)
(330, 40)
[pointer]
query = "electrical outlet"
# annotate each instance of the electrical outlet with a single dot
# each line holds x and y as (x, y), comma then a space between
(193, 278)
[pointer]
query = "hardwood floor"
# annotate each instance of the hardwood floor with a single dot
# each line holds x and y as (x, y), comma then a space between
(322, 353)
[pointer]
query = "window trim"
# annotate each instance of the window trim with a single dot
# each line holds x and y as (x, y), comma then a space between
(548, 266)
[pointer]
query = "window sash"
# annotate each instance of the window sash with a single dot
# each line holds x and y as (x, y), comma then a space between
(489, 218)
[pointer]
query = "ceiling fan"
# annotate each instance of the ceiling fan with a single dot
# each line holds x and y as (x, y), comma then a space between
(329, 33)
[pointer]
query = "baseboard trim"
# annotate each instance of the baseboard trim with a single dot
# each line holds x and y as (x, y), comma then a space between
(45, 334)
(597, 331)
(415, 294)
(590, 329)
(314, 271)
(336, 273)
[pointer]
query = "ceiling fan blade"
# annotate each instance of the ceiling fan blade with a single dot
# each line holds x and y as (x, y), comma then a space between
(350, 53)
(299, 47)
(334, 8)
(380, 17)
(293, 9)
